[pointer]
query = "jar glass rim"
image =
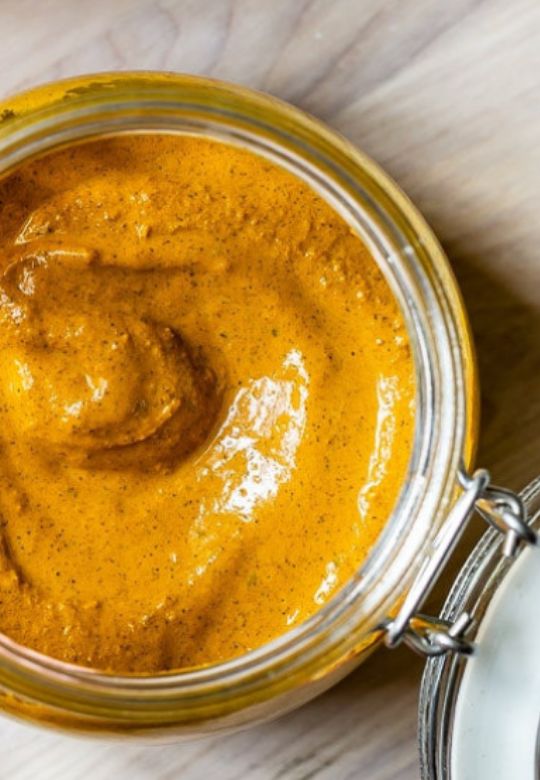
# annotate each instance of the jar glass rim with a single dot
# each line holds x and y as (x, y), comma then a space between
(415, 266)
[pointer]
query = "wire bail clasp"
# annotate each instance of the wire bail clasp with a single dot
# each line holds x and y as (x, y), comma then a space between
(503, 510)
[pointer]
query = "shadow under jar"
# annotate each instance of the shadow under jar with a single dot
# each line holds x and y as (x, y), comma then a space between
(437, 497)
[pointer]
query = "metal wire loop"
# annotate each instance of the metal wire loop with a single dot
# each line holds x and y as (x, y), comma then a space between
(505, 511)
(431, 637)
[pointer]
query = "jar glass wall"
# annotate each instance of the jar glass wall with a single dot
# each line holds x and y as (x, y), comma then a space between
(306, 660)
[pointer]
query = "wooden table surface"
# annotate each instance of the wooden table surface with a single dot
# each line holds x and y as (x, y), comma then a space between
(446, 96)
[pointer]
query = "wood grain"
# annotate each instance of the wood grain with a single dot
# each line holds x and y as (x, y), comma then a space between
(447, 97)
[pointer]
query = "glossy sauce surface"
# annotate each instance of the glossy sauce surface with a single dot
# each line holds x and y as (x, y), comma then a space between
(206, 395)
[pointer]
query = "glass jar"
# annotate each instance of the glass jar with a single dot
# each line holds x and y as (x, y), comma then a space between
(432, 507)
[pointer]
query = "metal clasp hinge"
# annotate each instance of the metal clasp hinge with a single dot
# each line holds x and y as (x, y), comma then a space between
(502, 509)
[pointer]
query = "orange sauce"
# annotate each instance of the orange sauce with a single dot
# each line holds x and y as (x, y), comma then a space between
(206, 395)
